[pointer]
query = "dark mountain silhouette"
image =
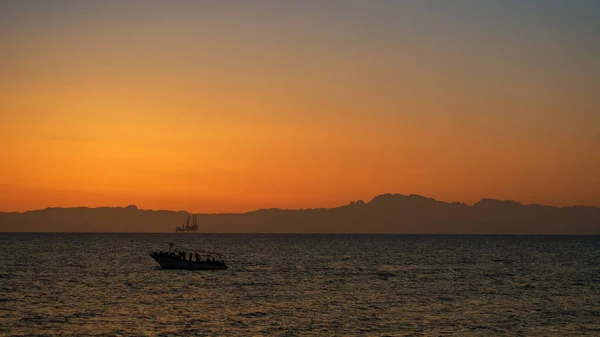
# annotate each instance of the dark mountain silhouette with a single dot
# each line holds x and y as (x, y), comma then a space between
(388, 213)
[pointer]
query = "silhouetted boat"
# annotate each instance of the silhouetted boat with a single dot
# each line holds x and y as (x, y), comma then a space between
(192, 259)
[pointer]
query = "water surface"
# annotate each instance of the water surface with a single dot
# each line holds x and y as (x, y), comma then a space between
(301, 285)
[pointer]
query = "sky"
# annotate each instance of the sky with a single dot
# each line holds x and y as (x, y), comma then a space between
(230, 106)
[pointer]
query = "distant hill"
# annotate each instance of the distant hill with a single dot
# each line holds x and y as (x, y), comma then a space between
(388, 213)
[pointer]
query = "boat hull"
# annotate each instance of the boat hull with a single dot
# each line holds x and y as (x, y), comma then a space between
(167, 262)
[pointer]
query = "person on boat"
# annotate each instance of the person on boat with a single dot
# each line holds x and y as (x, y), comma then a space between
(197, 257)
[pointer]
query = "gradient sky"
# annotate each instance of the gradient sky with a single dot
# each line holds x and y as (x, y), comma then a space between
(215, 106)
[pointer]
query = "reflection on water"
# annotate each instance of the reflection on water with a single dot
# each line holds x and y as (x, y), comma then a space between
(107, 284)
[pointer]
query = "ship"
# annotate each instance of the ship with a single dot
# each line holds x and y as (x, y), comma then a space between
(178, 257)
(187, 228)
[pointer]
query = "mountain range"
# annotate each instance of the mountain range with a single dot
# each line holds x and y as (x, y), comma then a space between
(387, 213)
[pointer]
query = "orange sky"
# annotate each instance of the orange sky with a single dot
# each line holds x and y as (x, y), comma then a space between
(214, 108)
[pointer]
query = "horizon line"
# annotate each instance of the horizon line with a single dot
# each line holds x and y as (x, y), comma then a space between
(309, 233)
(309, 208)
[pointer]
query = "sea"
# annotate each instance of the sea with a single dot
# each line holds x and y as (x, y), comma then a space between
(301, 285)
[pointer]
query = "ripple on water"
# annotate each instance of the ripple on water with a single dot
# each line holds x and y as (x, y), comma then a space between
(301, 285)
(256, 314)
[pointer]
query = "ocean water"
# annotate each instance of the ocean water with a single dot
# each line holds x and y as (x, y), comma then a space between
(302, 285)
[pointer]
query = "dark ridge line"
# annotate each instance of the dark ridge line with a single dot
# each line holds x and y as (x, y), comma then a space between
(482, 201)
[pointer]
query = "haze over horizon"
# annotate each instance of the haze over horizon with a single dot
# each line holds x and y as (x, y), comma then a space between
(384, 214)
(234, 106)
(340, 204)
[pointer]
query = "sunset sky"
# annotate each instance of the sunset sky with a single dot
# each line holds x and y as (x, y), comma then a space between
(228, 106)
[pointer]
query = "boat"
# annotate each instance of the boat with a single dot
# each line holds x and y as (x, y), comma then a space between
(187, 228)
(178, 257)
